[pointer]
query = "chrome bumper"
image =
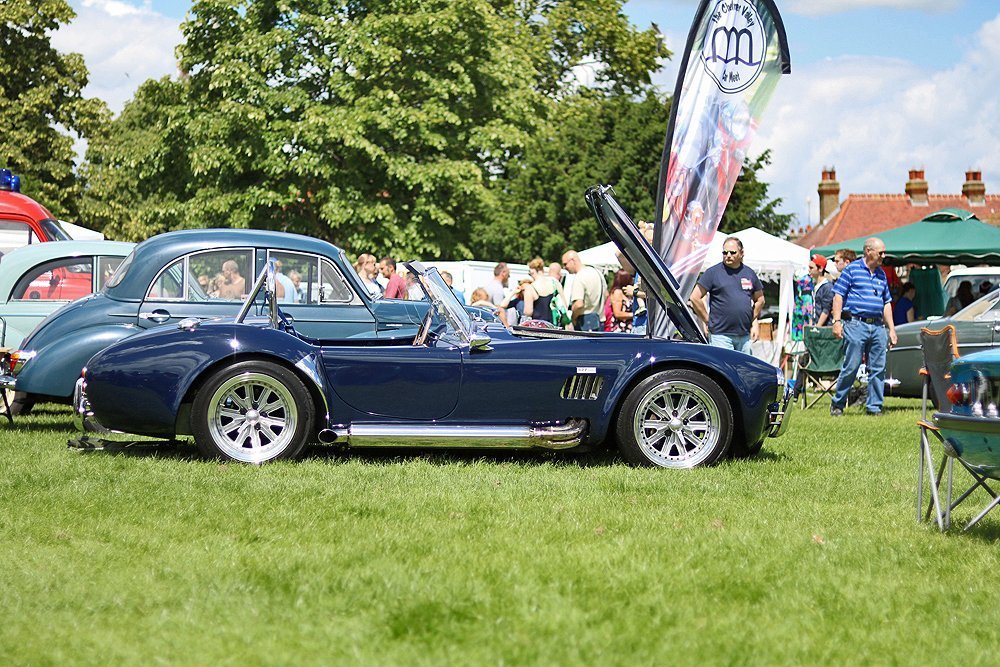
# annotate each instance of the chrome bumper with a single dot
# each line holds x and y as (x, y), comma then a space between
(83, 416)
(777, 414)
(7, 382)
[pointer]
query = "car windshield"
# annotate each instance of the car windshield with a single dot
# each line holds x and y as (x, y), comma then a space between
(987, 308)
(54, 230)
(447, 308)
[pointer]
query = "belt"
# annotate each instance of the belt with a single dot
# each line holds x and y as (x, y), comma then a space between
(866, 320)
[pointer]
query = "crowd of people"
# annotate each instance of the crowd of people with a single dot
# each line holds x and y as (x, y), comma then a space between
(584, 303)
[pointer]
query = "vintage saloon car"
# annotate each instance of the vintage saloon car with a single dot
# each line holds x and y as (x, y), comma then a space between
(253, 392)
(971, 426)
(202, 273)
(37, 280)
(977, 328)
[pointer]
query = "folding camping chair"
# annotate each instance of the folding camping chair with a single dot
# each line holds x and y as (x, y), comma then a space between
(940, 348)
(824, 355)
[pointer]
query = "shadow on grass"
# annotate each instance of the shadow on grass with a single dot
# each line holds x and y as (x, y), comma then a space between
(598, 458)
(160, 449)
(185, 451)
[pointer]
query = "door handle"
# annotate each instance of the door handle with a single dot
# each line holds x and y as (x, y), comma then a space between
(158, 316)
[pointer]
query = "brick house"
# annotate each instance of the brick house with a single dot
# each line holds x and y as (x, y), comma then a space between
(869, 214)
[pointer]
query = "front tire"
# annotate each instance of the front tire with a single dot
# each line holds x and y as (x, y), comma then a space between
(675, 419)
(252, 412)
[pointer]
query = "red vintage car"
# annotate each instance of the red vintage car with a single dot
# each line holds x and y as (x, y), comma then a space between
(23, 220)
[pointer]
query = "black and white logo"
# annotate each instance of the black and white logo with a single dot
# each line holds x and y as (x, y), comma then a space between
(735, 45)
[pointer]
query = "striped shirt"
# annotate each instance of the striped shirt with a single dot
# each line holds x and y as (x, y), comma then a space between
(865, 292)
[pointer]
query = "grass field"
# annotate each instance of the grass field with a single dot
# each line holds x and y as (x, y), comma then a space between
(806, 554)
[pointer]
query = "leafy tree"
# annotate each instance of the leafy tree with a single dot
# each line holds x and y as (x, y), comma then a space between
(614, 139)
(381, 125)
(142, 157)
(41, 103)
(749, 205)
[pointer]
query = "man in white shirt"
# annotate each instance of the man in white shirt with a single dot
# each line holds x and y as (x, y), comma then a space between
(588, 295)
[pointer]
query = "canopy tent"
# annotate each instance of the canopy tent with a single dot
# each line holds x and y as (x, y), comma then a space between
(773, 259)
(948, 236)
(80, 233)
(602, 257)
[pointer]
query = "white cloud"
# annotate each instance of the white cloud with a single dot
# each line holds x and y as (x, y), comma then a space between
(874, 119)
(123, 44)
(825, 7)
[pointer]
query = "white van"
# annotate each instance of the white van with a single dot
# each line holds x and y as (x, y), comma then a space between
(982, 279)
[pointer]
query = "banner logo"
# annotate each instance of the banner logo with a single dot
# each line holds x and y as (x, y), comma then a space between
(734, 47)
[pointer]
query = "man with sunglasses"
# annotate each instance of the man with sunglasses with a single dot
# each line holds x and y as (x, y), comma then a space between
(736, 299)
(862, 317)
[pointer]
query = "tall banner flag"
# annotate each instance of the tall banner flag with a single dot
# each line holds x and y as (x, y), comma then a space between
(736, 52)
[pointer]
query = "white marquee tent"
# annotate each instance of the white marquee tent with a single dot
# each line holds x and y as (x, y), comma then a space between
(773, 259)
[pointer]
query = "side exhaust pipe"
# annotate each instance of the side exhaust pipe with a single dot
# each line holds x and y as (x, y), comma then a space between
(552, 436)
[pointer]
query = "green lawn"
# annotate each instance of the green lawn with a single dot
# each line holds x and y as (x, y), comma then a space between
(806, 554)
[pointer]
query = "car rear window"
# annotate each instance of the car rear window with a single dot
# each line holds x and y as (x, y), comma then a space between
(120, 272)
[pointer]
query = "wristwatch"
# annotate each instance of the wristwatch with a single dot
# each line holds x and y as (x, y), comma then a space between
(836, 322)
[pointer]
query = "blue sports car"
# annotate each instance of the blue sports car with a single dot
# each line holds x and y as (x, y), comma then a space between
(258, 389)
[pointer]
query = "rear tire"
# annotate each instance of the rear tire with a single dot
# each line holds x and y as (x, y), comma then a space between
(252, 412)
(675, 419)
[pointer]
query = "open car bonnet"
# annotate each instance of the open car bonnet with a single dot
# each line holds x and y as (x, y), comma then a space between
(657, 277)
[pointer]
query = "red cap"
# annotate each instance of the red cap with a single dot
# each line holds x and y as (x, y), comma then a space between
(820, 261)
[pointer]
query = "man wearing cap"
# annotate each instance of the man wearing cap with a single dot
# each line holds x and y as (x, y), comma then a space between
(823, 290)
(862, 317)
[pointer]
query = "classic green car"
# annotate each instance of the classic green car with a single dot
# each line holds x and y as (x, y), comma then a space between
(977, 328)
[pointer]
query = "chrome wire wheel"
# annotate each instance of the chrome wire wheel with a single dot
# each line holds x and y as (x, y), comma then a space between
(252, 417)
(677, 424)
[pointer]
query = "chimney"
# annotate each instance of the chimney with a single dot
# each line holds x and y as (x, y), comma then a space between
(974, 189)
(916, 188)
(829, 193)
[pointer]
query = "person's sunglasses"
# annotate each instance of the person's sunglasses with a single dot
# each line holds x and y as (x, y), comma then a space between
(729, 252)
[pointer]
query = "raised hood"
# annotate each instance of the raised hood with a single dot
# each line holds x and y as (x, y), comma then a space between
(655, 274)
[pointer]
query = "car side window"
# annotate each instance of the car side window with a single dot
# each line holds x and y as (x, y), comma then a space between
(203, 276)
(220, 274)
(334, 289)
(170, 283)
(64, 279)
(14, 234)
(308, 279)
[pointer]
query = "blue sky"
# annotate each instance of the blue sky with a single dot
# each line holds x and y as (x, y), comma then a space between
(877, 86)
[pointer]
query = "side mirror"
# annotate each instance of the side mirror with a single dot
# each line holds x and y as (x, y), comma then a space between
(480, 342)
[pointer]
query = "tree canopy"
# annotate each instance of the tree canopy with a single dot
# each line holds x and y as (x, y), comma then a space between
(750, 206)
(429, 128)
(385, 124)
(41, 103)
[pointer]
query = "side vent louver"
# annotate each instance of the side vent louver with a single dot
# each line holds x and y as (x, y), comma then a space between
(582, 387)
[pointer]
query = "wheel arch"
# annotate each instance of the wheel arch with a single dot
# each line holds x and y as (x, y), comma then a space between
(316, 394)
(739, 428)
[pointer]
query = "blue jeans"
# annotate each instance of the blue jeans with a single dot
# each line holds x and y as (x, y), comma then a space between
(588, 322)
(741, 343)
(870, 340)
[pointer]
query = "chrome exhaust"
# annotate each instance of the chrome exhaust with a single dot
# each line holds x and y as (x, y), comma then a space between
(552, 436)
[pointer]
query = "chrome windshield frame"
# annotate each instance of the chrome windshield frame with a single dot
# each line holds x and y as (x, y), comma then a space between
(265, 281)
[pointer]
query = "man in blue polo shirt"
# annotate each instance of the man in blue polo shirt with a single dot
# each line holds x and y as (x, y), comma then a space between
(862, 316)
